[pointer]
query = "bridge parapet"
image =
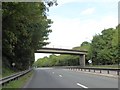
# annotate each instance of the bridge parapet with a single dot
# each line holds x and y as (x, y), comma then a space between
(61, 51)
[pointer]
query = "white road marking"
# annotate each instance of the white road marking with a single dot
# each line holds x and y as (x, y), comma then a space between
(45, 68)
(81, 85)
(53, 72)
(60, 75)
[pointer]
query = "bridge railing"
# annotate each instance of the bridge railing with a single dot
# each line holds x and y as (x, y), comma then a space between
(58, 46)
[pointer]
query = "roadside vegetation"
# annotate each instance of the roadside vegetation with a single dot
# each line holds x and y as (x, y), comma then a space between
(102, 50)
(6, 72)
(25, 29)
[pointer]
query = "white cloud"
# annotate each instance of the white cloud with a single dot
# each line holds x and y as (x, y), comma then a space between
(72, 32)
(88, 11)
(40, 55)
(109, 21)
(96, 1)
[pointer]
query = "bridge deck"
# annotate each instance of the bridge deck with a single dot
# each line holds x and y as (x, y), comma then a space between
(61, 51)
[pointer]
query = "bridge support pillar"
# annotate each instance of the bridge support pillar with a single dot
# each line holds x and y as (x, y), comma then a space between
(82, 60)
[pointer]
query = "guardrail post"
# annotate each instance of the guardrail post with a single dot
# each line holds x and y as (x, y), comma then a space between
(94, 70)
(108, 71)
(81, 69)
(89, 69)
(17, 78)
(3, 84)
(100, 71)
(118, 72)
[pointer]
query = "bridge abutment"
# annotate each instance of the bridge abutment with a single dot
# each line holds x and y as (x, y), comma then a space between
(82, 60)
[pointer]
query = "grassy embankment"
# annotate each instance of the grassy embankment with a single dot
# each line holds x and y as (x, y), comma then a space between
(7, 72)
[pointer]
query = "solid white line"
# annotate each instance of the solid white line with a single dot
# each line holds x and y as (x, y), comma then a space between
(81, 85)
(60, 75)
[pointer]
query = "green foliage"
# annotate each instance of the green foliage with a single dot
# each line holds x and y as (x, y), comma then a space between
(61, 60)
(104, 47)
(118, 28)
(25, 29)
(85, 46)
(6, 71)
(103, 50)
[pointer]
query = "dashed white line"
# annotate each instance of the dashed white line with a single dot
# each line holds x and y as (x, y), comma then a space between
(53, 72)
(81, 85)
(60, 75)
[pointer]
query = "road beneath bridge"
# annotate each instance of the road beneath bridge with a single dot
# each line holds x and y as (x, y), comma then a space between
(63, 78)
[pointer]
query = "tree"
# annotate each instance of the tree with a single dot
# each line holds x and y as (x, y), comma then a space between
(25, 29)
(104, 47)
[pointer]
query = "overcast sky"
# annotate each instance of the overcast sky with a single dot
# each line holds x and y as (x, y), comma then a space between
(76, 21)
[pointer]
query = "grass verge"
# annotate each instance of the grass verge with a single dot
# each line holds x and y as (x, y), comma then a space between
(18, 83)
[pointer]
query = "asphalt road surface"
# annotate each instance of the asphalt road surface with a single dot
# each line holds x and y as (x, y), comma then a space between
(61, 78)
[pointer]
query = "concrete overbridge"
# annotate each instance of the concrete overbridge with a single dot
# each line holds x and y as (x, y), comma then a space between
(65, 51)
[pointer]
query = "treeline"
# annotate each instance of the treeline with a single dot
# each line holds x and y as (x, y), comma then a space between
(104, 47)
(54, 60)
(102, 50)
(25, 28)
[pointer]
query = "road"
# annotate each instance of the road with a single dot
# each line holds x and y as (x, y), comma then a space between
(62, 78)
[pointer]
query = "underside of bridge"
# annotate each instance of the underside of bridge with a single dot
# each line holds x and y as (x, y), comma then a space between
(65, 51)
